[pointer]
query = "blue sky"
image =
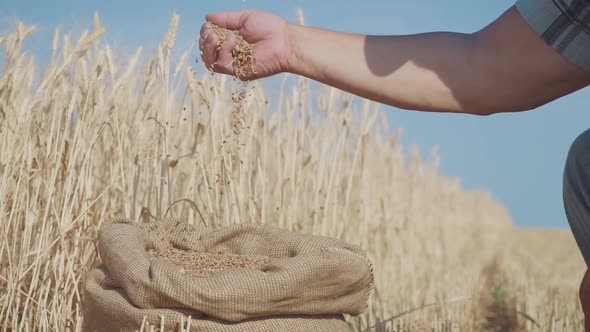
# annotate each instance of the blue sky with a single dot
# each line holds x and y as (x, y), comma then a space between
(517, 157)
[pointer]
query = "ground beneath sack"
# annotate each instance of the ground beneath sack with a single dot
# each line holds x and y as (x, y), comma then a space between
(201, 264)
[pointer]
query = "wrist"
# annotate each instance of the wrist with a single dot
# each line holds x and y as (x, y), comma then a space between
(292, 56)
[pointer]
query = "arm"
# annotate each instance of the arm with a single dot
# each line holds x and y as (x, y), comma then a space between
(505, 67)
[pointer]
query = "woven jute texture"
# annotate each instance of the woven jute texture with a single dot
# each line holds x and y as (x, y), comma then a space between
(307, 285)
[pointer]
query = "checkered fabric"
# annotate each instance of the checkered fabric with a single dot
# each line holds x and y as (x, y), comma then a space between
(562, 24)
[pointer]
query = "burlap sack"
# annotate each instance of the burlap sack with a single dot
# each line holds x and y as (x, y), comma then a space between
(308, 284)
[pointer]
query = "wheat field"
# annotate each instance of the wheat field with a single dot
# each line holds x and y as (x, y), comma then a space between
(97, 135)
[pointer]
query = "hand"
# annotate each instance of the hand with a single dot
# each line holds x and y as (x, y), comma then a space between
(266, 31)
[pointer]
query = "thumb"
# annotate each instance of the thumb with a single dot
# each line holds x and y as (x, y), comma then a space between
(228, 20)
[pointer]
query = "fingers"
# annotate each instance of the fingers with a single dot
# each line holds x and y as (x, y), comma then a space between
(225, 59)
(208, 46)
(205, 30)
(219, 57)
(204, 27)
(228, 20)
(216, 57)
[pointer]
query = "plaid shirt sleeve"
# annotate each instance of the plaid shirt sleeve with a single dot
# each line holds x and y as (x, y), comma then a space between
(562, 24)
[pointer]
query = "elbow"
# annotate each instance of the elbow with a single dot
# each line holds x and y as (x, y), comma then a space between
(472, 106)
(484, 110)
(498, 108)
(506, 99)
(498, 96)
(490, 87)
(485, 106)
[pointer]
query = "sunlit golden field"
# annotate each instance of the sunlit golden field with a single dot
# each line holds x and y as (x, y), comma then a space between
(97, 135)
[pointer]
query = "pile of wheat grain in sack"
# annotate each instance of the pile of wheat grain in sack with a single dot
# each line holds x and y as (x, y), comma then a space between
(243, 277)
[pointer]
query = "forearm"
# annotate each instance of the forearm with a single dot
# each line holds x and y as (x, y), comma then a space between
(423, 72)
